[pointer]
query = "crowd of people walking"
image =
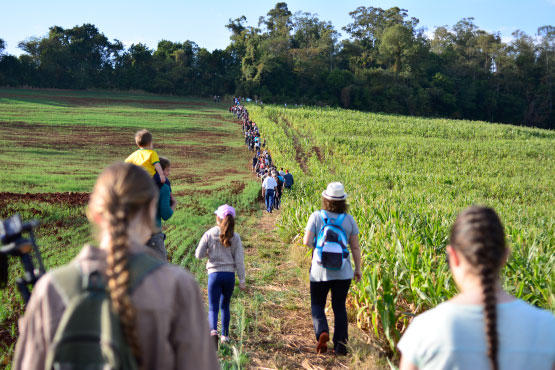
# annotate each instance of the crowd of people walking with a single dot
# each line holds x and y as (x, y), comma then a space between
(274, 181)
(152, 315)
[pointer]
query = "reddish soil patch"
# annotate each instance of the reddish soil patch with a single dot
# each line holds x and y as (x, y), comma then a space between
(70, 199)
(316, 150)
(89, 101)
(65, 137)
(237, 187)
(300, 155)
(111, 141)
(191, 193)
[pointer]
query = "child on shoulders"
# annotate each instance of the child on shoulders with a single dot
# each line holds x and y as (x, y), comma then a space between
(146, 157)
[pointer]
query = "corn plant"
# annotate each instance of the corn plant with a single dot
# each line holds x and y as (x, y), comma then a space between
(407, 178)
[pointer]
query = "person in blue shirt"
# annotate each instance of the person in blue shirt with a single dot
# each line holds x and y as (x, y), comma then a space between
(288, 179)
(166, 207)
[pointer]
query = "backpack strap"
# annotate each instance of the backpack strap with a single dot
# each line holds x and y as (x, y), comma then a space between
(140, 265)
(335, 221)
(339, 220)
(324, 216)
(70, 281)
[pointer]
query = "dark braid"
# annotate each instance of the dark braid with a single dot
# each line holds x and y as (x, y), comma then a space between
(487, 277)
(478, 234)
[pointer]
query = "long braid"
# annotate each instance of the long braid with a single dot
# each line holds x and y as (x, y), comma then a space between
(478, 234)
(118, 280)
(122, 192)
(487, 277)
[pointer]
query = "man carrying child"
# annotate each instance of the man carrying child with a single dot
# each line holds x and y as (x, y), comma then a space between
(166, 207)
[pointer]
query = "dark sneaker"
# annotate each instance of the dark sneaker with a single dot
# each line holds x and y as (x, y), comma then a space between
(214, 336)
(322, 346)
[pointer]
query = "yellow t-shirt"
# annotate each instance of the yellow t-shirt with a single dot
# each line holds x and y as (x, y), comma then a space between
(145, 158)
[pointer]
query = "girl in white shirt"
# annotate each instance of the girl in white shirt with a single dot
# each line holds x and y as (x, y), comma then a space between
(482, 327)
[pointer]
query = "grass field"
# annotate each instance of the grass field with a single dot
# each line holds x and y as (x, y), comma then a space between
(407, 178)
(54, 143)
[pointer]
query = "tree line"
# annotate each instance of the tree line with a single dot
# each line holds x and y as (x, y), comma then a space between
(387, 64)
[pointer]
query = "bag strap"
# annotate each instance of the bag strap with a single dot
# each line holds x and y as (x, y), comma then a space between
(335, 221)
(70, 280)
(140, 265)
(324, 216)
(339, 220)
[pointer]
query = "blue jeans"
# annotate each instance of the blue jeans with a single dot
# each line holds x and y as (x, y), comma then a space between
(269, 198)
(220, 289)
(318, 295)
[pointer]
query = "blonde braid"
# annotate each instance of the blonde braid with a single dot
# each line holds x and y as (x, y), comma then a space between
(122, 192)
(118, 279)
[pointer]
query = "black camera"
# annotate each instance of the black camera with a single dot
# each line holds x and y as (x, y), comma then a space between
(15, 244)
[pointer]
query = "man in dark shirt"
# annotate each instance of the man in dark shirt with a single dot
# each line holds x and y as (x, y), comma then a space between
(288, 179)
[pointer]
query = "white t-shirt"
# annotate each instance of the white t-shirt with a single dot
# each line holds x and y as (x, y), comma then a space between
(452, 336)
(269, 183)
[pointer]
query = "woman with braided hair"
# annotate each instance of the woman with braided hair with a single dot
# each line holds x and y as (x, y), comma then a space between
(161, 313)
(483, 327)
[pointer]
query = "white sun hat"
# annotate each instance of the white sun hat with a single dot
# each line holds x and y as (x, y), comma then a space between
(335, 191)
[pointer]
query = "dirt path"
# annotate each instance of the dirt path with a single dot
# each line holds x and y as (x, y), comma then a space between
(281, 335)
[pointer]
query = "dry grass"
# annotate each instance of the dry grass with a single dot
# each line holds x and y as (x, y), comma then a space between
(280, 334)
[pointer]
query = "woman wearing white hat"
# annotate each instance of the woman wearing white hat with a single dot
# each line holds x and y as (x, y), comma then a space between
(332, 232)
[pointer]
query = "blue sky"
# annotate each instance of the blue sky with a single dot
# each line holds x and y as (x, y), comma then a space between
(204, 21)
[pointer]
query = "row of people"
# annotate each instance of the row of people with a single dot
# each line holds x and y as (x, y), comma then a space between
(483, 327)
(273, 182)
(162, 315)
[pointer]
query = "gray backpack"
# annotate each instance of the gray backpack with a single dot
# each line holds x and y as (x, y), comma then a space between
(89, 335)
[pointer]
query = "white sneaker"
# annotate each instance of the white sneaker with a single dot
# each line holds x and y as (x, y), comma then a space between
(225, 339)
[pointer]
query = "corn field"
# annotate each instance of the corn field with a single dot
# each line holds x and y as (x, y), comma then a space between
(407, 178)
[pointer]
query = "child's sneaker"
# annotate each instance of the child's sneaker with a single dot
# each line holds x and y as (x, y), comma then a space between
(225, 339)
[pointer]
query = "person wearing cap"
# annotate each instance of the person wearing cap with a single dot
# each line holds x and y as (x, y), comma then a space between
(269, 187)
(323, 280)
(224, 250)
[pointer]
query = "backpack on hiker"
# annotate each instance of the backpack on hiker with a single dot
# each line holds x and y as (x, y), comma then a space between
(331, 243)
(89, 335)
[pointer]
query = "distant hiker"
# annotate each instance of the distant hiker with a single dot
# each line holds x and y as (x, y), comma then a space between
(254, 163)
(288, 179)
(279, 189)
(116, 306)
(483, 327)
(223, 247)
(281, 172)
(269, 187)
(165, 209)
(328, 232)
(147, 158)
